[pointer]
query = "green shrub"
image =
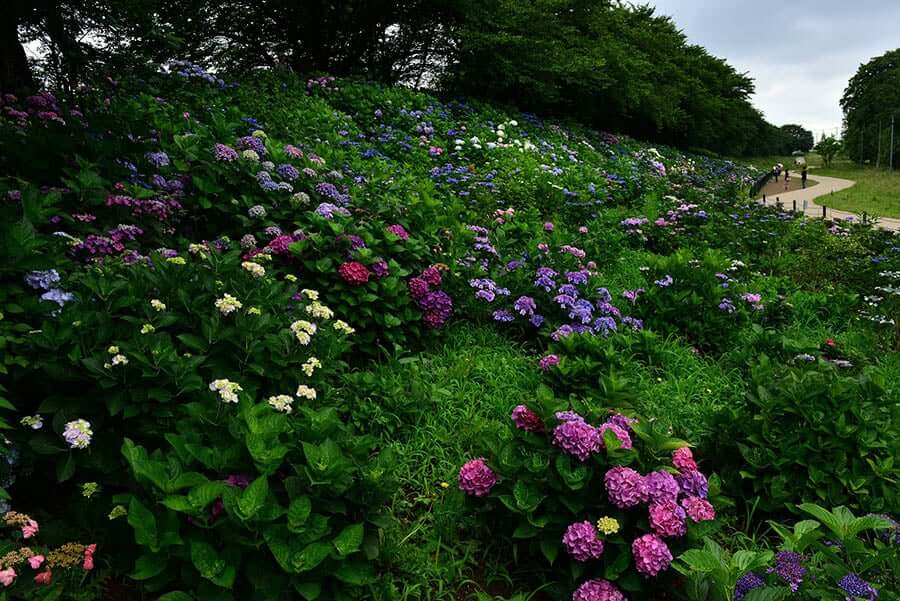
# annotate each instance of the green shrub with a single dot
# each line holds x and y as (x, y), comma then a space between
(812, 434)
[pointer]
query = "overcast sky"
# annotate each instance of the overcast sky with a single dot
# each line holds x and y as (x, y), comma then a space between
(801, 53)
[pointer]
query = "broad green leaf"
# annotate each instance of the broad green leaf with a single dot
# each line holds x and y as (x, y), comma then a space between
(311, 556)
(254, 497)
(349, 540)
(149, 565)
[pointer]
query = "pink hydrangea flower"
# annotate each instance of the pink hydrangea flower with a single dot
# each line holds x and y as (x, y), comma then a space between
(683, 459)
(476, 478)
(699, 510)
(667, 519)
(398, 231)
(45, 577)
(35, 561)
(598, 590)
(651, 555)
(547, 362)
(30, 529)
(354, 273)
(625, 487)
(581, 541)
(526, 419)
(7, 576)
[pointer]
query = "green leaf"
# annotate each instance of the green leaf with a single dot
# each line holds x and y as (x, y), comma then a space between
(298, 513)
(176, 596)
(65, 467)
(308, 590)
(143, 522)
(311, 556)
(527, 497)
(349, 540)
(355, 572)
(149, 565)
(768, 593)
(206, 493)
(700, 560)
(254, 497)
(550, 549)
(206, 560)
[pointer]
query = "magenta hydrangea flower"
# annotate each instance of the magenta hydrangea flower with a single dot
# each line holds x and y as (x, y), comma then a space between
(667, 519)
(418, 288)
(661, 486)
(693, 484)
(683, 459)
(598, 590)
(476, 478)
(526, 419)
(651, 555)
(699, 510)
(398, 231)
(579, 439)
(582, 542)
(354, 273)
(432, 275)
(623, 421)
(621, 434)
(547, 362)
(625, 487)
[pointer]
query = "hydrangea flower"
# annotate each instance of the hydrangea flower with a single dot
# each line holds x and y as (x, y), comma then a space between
(581, 541)
(608, 525)
(303, 330)
(227, 390)
(661, 486)
(255, 269)
(548, 361)
(306, 392)
(35, 422)
(625, 487)
(78, 434)
(476, 478)
(398, 231)
(699, 510)
(526, 419)
(693, 484)
(281, 403)
(621, 434)
(747, 583)
(225, 153)
(598, 590)
(577, 438)
(856, 588)
(228, 304)
(651, 555)
(683, 459)
(354, 273)
(789, 567)
(667, 518)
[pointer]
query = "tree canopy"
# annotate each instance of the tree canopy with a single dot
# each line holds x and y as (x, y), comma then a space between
(607, 63)
(872, 97)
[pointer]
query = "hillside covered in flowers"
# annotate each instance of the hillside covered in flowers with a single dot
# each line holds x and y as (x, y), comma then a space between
(279, 338)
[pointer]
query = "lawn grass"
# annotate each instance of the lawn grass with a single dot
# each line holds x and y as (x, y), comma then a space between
(877, 191)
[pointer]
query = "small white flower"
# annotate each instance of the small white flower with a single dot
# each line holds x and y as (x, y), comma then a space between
(227, 390)
(255, 269)
(306, 392)
(158, 305)
(281, 402)
(228, 304)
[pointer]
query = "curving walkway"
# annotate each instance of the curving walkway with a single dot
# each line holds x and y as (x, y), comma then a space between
(825, 186)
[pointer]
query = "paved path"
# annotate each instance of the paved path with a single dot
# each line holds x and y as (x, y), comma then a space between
(825, 186)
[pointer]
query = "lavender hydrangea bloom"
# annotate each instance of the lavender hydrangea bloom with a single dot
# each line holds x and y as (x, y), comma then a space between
(525, 306)
(621, 434)
(158, 159)
(225, 153)
(582, 311)
(536, 320)
(582, 542)
(789, 567)
(544, 279)
(577, 438)
(567, 416)
(58, 296)
(288, 172)
(693, 484)
(568, 290)
(665, 282)
(503, 315)
(577, 277)
(328, 210)
(42, 280)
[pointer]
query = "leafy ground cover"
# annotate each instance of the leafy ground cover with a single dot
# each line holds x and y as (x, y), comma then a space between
(319, 338)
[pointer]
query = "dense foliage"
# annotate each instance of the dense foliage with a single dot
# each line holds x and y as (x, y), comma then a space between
(870, 101)
(260, 338)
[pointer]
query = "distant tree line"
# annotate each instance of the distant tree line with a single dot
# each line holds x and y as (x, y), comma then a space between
(872, 97)
(604, 62)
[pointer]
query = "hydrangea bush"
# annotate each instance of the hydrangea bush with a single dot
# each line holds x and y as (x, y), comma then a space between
(604, 499)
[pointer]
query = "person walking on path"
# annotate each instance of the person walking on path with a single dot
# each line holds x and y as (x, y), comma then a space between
(787, 179)
(776, 169)
(803, 177)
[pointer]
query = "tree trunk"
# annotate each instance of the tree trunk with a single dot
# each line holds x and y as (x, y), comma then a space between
(14, 70)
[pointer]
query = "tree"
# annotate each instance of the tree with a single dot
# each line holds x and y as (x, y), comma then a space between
(828, 149)
(797, 138)
(871, 98)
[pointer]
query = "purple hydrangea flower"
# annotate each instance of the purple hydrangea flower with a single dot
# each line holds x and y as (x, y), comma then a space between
(525, 306)
(661, 486)
(621, 434)
(747, 583)
(225, 153)
(526, 419)
(667, 518)
(503, 315)
(856, 587)
(577, 438)
(693, 484)
(548, 361)
(789, 567)
(598, 590)
(625, 487)
(582, 542)
(42, 280)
